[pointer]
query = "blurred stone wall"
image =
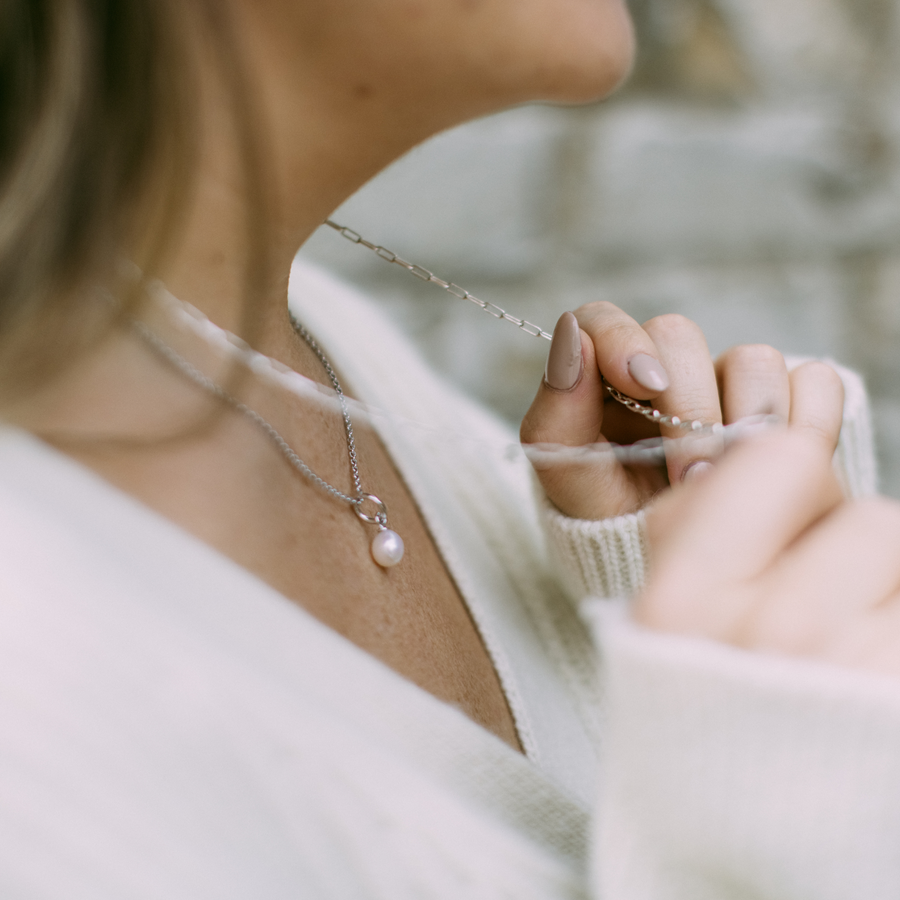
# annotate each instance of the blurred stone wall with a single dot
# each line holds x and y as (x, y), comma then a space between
(748, 177)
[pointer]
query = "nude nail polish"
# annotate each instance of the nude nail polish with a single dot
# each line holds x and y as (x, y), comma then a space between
(648, 372)
(696, 470)
(564, 363)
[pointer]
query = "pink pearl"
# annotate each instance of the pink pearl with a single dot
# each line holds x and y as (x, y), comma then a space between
(387, 548)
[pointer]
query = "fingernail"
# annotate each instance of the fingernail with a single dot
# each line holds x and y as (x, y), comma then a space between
(648, 373)
(697, 470)
(564, 363)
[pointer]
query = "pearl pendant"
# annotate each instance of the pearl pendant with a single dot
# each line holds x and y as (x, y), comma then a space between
(387, 548)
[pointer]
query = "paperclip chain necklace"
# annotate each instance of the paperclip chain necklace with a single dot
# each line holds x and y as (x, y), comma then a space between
(387, 546)
(642, 409)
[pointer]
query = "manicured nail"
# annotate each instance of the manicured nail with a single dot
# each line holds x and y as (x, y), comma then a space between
(696, 470)
(564, 364)
(648, 373)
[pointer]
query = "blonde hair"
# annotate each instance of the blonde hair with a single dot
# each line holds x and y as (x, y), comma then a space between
(97, 152)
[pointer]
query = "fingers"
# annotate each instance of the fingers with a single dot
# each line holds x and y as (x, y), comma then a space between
(730, 528)
(568, 409)
(817, 402)
(692, 393)
(813, 593)
(753, 380)
(625, 352)
(765, 554)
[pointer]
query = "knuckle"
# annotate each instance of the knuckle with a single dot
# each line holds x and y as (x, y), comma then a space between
(597, 308)
(821, 372)
(753, 357)
(617, 328)
(537, 429)
(694, 404)
(671, 327)
(599, 315)
(527, 430)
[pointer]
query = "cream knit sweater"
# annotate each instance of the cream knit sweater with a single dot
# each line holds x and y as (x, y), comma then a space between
(171, 727)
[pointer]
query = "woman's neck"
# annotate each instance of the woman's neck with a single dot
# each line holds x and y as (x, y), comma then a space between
(256, 201)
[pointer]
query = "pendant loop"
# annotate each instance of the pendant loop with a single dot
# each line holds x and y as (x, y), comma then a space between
(379, 519)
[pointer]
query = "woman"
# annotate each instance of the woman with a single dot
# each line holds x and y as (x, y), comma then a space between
(215, 680)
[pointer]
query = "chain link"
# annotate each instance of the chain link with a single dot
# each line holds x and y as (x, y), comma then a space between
(345, 413)
(216, 390)
(426, 275)
(648, 412)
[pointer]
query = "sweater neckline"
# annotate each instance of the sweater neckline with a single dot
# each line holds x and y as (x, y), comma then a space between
(207, 595)
(493, 549)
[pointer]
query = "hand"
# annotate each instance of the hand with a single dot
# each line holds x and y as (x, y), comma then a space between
(766, 554)
(667, 361)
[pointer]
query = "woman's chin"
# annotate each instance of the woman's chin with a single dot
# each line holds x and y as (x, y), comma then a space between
(588, 85)
(585, 66)
(593, 74)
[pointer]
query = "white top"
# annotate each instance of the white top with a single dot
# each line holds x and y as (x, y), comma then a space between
(171, 727)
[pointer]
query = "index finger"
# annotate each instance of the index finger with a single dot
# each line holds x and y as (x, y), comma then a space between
(626, 355)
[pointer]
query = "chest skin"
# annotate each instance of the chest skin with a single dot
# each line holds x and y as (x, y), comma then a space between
(233, 489)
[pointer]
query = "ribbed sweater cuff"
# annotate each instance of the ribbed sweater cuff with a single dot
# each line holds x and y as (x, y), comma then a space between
(605, 558)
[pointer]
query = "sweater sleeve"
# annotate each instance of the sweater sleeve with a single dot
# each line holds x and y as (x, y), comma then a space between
(727, 774)
(608, 557)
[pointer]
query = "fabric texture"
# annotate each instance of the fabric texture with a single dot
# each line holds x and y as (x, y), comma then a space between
(171, 727)
(733, 776)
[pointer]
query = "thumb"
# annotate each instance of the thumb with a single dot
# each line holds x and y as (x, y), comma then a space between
(568, 410)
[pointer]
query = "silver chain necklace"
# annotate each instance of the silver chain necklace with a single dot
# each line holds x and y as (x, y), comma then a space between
(642, 409)
(387, 546)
